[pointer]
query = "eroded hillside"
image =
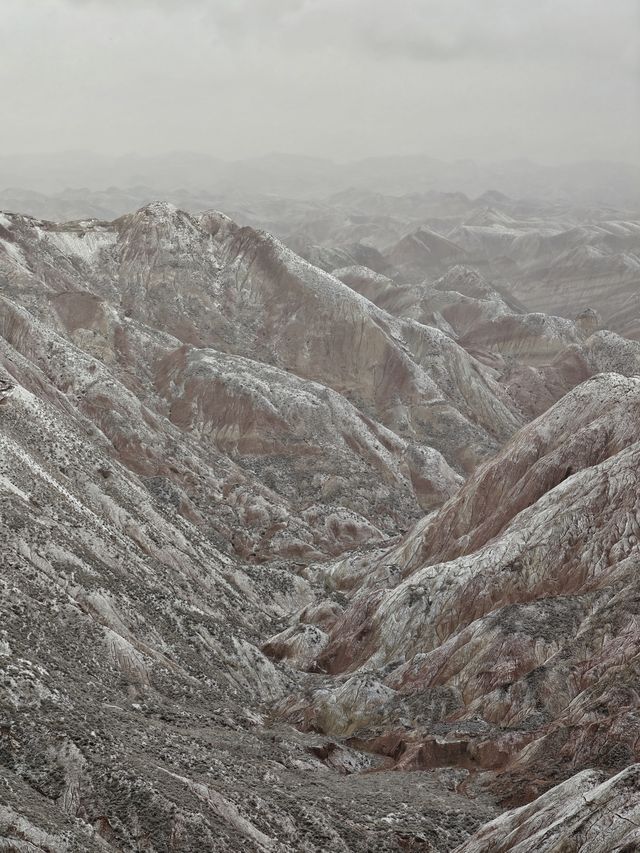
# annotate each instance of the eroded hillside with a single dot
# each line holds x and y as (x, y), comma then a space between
(310, 557)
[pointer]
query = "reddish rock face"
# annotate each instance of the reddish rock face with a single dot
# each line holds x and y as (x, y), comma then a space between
(175, 309)
(588, 812)
(518, 600)
(265, 527)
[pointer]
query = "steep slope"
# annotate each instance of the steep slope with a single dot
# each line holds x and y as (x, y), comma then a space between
(203, 483)
(223, 604)
(121, 598)
(562, 270)
(133, 693)
(588, 275)
(532, 339)
(301, 437)
(501, 635)
(587, 813)
(535, 388)
(209, 283)
(423, 254)
(330, 258)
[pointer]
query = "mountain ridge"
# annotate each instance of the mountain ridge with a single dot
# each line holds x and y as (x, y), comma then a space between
(286, 569)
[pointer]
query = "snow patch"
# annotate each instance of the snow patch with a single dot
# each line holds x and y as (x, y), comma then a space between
(7, 485)
(14, 252)
(85, 245)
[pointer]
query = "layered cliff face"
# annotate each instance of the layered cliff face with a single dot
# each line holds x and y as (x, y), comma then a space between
(501, 635)
(302, 561)
(134, 700)
(563, 270)
(588, 812)
(195, 321)
(208, 282)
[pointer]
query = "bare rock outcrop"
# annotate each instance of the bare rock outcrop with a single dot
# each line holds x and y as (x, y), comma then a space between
(6, 389)
(207, 282)
(585, 813)
(517, 597)
(266, 530)
(100, 316)
(588, 321)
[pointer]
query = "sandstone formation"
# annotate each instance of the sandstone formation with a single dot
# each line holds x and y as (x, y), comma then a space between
(154, 301)
(330, 555)
(500, 635)
(587, 813)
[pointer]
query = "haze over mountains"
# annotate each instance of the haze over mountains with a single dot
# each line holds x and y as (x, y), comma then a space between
(168, 176)
(319, 426)
(323, 536)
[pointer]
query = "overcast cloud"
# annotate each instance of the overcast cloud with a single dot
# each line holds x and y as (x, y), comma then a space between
(487, 79)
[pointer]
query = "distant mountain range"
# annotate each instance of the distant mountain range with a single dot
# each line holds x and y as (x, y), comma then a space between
(598, 182)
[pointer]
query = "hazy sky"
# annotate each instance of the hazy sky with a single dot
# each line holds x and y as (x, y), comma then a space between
(552, 80)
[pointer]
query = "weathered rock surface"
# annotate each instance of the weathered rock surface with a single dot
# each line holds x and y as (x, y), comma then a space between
(503, 630)
(207, 282)
(534, 389)
(133, 706)
(563, 270)
(227, 622)
(164, 325)
(587, 813)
